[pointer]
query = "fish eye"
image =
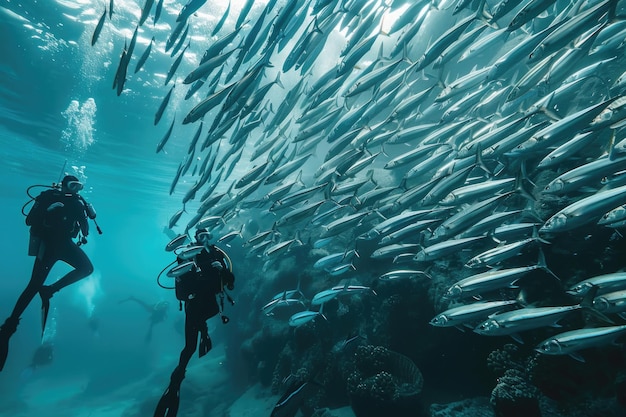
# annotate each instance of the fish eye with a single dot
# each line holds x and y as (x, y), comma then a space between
(553, 346)
(601, 304)
(489, 325)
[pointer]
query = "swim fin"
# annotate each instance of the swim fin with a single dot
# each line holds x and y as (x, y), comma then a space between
(4, 351)
(205, 344)
(168, 404)
(45, 293)
(45, 308)
(6, 331)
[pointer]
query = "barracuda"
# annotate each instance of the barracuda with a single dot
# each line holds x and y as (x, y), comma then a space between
(468, 314)
(478, 284)
(605, 283)
(528, 318)
(445, 248)
(585, 211)
(591, 172)
(466, 217)
(492, 257)
(568, 343)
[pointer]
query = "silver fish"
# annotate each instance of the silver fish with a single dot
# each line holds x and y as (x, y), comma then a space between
(569, 343)
(469, 314)
(98, 29)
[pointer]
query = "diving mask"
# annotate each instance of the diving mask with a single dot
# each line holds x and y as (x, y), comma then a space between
(74, 186)
(204, 237)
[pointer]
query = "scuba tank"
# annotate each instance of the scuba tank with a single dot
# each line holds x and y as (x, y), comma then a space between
(91, 212)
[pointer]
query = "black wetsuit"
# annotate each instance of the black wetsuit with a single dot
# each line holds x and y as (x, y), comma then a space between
(52, 232)
(200, 303)
(197, 289)
(55, 219)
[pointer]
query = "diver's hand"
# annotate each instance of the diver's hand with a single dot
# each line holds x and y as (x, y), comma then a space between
(55, 205)
(217, 265)
(229, 279)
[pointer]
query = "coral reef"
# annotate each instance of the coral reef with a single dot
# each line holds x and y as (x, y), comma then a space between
(515, 396)
(384, 383)
(501, 360)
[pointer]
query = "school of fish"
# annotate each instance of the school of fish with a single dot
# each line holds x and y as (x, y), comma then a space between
(436, 136)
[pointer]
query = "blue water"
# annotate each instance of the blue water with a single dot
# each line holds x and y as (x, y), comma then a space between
(58, 114)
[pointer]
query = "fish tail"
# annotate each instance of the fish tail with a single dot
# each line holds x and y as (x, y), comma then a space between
(482, 13)
(519, 184)
(541, 263)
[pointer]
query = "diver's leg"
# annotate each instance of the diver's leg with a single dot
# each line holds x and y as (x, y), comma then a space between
(168, 404)
(191, 340)
(41, 269)
(73, 255)
(70, 253)
(149, 334)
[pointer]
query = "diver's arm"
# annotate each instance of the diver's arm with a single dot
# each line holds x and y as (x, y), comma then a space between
(35, 211)
(143, 304)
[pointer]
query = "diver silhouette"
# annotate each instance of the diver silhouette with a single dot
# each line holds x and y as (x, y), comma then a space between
(58, 216)
(202, 274)
(157, 312)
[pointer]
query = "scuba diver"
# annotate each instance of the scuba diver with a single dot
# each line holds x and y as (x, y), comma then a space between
(43, 355)
(58, 216)
(203, 272)
(157, 311)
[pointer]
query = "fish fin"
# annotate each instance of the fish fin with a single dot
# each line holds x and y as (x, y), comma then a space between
(552, 115)
(612, 154)
(483, 14)
(577, 357)
(517, 338)
(278, 81)
(524, 176)
(479, 160)
(541, 263)
(536, 237)
(321, 310)
(522, 301)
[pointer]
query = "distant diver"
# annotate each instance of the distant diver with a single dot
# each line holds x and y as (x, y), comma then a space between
(43, 355)
(58, 216)
(157, 312)
(94, 324)
(203, 272)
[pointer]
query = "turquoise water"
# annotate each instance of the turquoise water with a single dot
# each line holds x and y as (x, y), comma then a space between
(59, 114)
